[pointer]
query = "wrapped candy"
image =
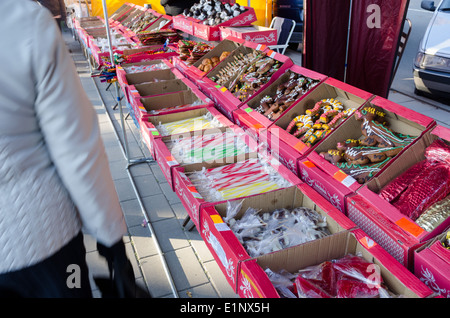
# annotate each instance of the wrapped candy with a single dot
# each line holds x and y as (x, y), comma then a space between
(435, 215)
(189, 124)
(348, 277)
(207, 147)
(145, 68)
(268, 232)
(244, 178)
(422, 185)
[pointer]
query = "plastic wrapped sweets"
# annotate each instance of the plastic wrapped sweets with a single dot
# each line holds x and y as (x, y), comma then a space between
(262, 233)
(348, 277)
(240, 179)
(207, 147)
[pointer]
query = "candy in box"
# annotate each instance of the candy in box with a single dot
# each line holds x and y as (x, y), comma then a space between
(229, 252)
(372, 272)
(195, 72)
(240, 176)
(287, 90)
(306, 123)
(391, 196)
(157, 126)
(229, 92)
(199, 146)
(342, 162)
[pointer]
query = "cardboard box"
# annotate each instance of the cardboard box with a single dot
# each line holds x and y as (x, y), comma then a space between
(149, 132)
(125, 80)
(168, 161)
(246, 114)
(138, 91)
(193, 73)
(408, 158)
(119, 13)
(172, 102)
(432, 265)
(226, 101)
(349, 96)
(333, 181)
(193, 201)
(253, 282)
(225, 246)
(184, 24)
(252, 33)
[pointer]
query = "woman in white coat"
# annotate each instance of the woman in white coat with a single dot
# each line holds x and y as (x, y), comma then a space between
(54, 173)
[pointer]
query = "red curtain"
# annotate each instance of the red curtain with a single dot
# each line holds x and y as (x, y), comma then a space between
(376, 26)
(372, 39)
(325, 36)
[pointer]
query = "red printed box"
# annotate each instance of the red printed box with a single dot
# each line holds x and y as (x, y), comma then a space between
(168, 160)
(184, 24)
(225, 246)
(247, 116)
(350, 97)
(252, 33)
(253, 281)
(337, 180)
(192, 200)
(150, 124)
(432, 265)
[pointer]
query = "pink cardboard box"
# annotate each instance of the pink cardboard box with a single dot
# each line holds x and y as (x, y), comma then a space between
(432, 266)
(166, 97)
(150, 123)
(410, 157)
(246, 114)
(351, 98)
(339, 184)
(225, 246)
(192, 200)
(168, 161)
(211, 33)
(184, 24)
(397, 242)
(253, 281)
(252, 33)
(125, 80)
(226, 101)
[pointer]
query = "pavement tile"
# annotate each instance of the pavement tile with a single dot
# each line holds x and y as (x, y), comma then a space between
(170, 235)
(157, 208)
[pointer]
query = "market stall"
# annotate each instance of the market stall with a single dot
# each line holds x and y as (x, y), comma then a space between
(312, 165)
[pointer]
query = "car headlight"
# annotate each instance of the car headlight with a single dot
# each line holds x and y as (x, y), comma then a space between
(432, 62)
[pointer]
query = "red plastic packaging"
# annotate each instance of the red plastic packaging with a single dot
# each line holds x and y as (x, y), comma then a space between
(348, 277)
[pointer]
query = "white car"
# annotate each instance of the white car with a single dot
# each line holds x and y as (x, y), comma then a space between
(432, 64)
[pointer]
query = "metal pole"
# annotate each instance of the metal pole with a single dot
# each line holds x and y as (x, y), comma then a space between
(111, 56)
(348, 39)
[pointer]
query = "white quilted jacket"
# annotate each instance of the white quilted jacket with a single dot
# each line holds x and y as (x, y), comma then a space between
(54, 173)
